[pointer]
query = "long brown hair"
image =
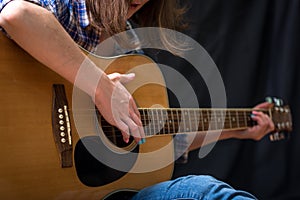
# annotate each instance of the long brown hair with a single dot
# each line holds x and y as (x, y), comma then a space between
(161, 13)
(111, 15)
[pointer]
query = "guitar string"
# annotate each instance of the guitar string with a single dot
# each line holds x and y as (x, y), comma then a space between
(213, 115)
(161, 130)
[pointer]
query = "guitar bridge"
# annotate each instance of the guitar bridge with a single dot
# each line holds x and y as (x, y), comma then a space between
(61, 126)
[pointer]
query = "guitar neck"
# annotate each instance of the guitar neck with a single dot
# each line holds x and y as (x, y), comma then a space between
(171, 121)
(168, 121)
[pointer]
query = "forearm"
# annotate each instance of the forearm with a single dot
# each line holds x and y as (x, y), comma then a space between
(201, 139)
(38, 32)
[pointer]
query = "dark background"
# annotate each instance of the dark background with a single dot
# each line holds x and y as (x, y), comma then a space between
(255, 45)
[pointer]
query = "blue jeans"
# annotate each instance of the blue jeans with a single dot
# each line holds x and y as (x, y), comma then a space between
(191, 188)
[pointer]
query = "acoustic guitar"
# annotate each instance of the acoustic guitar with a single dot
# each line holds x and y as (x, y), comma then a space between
(55, 145)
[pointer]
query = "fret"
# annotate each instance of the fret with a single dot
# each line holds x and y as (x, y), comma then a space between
(190, 120)
(237, 119)
(164, 120)
(148, 122)
(201, 119)
(157, 123)
(168, 120)
(186, 121)
(182, 122)
(195, 123)
(188, 115)
(245, 118)
(159, 127)
(166, 127)
(153, 132)
(233, 119)
(225, 118)
(196, 120)
(204, 120)
(220, 119)
(229, 117)
(144, 121)
(207, 120)
(214, 118)
(153, 124)
(249, 120)
(183, 117)
(211, 122)
(178, 121)
(173, 122)
(241, 119)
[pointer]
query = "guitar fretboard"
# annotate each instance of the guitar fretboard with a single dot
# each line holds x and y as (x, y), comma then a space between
(173, 121)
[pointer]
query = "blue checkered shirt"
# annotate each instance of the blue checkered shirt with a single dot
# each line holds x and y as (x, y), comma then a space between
(73, 17)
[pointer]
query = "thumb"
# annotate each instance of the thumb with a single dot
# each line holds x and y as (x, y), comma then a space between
(125, 78)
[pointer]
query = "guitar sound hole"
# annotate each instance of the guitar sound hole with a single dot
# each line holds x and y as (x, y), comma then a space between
(90, 168)
(115, 136)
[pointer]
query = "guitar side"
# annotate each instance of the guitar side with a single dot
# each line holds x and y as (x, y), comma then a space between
(30, 167)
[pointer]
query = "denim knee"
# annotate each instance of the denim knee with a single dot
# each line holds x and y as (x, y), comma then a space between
(190, 188)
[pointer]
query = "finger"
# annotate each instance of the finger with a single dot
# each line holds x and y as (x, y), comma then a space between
(136, 116)
(133, 105)
(134, 129)
(124, 130)
(114, 76)
(137, 121)
(263, 120)
(125, 78)
(264, 105)
(259, 117)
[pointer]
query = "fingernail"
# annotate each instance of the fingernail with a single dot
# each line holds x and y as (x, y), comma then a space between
(269, 100)
(130, 75)
(142, 141)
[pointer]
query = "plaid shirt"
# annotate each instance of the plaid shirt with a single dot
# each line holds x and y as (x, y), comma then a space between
(73, 17)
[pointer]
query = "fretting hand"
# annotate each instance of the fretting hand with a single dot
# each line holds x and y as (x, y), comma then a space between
(264, 124)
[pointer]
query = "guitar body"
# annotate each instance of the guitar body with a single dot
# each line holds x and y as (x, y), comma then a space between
(30, 162)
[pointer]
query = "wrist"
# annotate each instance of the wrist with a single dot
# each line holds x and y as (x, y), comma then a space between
(90, 78)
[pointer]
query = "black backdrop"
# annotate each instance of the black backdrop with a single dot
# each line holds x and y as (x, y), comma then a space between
(255, 45)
